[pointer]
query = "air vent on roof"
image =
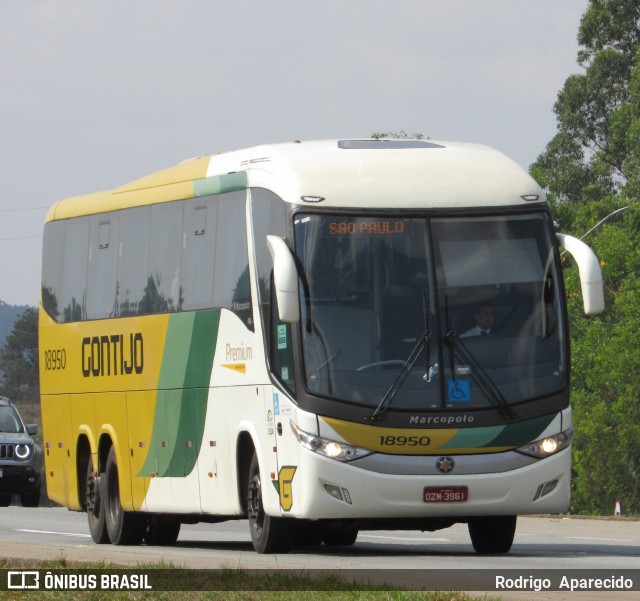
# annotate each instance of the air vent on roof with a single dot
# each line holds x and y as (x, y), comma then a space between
(385, 144)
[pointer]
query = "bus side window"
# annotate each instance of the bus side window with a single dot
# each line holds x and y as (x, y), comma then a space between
(52, 268)
(282, 350)
(75, 259)
(103, 258)
(200, 219)
(231, 270)
(133, 260)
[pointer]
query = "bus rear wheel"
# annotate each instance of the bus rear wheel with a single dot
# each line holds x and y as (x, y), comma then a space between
(94, 502)
(123, 527)
(268, 534)
(162, 531)
(493, 534)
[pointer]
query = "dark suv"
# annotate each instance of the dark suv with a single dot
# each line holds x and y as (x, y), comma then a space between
(20, 458)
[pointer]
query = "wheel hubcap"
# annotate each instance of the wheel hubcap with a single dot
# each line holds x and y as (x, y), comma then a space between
(254, 503)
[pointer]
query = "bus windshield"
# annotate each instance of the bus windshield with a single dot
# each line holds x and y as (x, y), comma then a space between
(447, 312)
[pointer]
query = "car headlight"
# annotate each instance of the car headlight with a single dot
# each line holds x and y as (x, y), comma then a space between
(326, 447)
(23, 451)
(547, 446)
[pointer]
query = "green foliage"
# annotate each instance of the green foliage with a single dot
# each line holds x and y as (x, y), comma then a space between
(19, 360)
(591, 169)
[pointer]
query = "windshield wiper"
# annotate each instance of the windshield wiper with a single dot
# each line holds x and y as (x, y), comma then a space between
(422, 343)
(478, 373)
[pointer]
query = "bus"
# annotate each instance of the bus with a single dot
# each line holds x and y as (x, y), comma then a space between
(287, 334)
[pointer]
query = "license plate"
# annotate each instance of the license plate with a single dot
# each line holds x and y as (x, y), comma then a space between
(445, 494)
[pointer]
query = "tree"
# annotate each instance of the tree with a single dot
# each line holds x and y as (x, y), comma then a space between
(590, 169)
(19, 360)
(595, 151)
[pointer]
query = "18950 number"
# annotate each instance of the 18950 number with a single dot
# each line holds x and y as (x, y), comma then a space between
(55, 359)
(408, 441)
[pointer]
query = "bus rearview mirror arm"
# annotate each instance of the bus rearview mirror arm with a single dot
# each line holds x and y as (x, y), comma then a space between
(590, 273)
(285, 279)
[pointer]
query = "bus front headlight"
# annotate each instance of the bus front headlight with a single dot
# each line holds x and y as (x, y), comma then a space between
(340, 451)
(547, 446)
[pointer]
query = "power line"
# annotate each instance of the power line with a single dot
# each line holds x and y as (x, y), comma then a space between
(18, 238)
(22, 209)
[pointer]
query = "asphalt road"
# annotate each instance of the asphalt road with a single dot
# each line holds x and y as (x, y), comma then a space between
(541, 543)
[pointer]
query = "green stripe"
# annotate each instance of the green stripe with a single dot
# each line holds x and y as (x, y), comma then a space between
(511, 435)
(468, 438)
(183, 391)
(217, 184)
(515, 435)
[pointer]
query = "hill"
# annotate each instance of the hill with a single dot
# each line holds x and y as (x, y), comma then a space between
(8, 316)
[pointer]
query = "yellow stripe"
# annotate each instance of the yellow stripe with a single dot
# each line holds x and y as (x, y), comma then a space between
(394, 441)
(241, 368)
(174, 183)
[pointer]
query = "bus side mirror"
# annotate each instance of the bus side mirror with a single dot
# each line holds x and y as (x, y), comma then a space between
(590, 274)
(285, 279)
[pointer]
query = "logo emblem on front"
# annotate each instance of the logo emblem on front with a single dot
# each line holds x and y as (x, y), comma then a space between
(445, 465)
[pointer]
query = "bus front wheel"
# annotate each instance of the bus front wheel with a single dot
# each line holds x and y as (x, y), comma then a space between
(268, 534)
(493, 534)
(123, 527)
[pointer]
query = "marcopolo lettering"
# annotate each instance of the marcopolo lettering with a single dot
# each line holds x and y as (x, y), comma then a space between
(114, 355)
(442, 419)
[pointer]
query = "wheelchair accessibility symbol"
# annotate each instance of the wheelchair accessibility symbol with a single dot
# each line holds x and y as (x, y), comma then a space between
(459, 391)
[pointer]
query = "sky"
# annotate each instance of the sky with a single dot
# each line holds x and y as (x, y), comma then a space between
(97, 94)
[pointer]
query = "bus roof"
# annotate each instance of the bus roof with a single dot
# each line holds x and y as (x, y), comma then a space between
(354, 173)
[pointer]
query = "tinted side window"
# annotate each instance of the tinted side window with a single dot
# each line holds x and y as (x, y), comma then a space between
(162, 291)
(200, 218)
(268, 217)
(231, 269)
(52, 267)
(103, 256)
(74, 257)
(133, 260)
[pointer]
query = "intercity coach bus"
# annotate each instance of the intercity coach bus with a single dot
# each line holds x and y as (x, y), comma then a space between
(291, 334)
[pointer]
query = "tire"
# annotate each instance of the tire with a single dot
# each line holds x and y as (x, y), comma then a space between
(494, 534)
(268, 534)
(340, 537)
(5, 500)
(308, 534)
(162, 531)
(123, 527)
(31, 499)
(94, 502)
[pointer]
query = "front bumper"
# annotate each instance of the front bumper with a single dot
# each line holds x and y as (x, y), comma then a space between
(396, 495)
(18, 479)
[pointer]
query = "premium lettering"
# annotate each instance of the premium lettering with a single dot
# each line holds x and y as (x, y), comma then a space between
(238, 353)
(114, 355)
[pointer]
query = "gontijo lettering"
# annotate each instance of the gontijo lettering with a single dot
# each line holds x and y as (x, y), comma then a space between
(113, 355)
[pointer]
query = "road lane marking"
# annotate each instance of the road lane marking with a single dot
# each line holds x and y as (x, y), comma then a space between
(51, 532)
(406, 539)
(613, 540)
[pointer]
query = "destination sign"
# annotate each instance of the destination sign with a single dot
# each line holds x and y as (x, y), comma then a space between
(366, 227)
